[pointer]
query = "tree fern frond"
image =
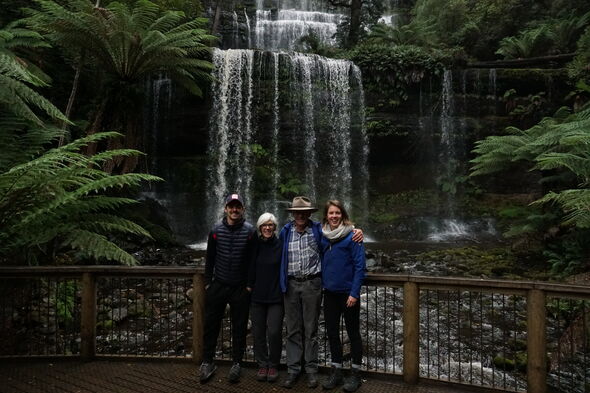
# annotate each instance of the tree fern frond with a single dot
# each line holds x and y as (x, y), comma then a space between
(110, 224)
(97, 247)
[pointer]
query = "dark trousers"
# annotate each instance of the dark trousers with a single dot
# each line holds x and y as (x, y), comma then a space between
(217, 297)
(267, 326)
(334, 308)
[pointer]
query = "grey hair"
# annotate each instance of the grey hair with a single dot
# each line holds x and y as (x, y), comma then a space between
(264, 218)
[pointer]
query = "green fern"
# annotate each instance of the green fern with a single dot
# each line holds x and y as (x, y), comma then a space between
(18, 77)
(559, 148)
(57, 200)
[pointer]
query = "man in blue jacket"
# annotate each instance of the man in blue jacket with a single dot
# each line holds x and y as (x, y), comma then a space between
(302, 285)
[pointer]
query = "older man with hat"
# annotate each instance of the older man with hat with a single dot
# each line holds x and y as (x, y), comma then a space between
(302, 287)
(229, 247)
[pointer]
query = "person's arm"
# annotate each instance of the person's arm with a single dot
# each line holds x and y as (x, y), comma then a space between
(358, 260)
(210, 258)
(357, 235)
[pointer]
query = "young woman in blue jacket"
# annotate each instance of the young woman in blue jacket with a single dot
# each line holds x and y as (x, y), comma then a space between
(343, 271)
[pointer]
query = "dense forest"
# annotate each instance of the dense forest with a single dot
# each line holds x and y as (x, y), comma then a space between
(72, 77)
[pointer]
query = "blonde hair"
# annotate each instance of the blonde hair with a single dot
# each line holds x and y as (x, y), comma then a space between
(265, 217)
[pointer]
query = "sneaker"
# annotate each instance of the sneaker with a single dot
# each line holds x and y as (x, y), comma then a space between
(352, 383)
(234, 373)
(206, 371)
(335, 379)
(272, 375)
(261, 374)
(312, 380)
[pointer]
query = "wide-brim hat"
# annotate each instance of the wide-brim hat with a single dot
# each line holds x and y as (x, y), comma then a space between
(301, 204)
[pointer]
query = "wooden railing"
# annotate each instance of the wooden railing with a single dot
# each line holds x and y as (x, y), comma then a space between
(445, 322)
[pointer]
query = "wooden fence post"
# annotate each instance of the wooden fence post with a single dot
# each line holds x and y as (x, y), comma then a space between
(198, 316)
(411, 319)
(88, 322)
(536, 342)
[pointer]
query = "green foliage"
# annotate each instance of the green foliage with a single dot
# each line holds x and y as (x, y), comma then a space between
(551, 36)
(568, 255)
(413, 33)
(18, 77)
(579, 68)
(391, 70)
(557, 145)
(292, 187)
(58, 202)
(64, 298)
(311, 43)
(529, 43)
(128, 44)
(438, 16)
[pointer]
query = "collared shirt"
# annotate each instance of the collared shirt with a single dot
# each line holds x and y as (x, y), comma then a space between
(304, 255)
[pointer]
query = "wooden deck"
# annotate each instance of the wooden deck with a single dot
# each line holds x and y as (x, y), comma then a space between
(145, 376)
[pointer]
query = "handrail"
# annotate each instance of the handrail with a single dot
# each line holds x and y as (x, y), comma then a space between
(426, 282)
(535, 292)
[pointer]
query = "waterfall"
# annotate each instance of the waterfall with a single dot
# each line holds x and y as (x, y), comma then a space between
(290, 25)
(314, 123)
(449, 228)
(160, 92)
(492, 83)
(230, 126)
(248, 29)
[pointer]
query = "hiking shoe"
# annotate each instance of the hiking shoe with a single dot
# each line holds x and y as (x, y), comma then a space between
(352, 383)
(261, 374)
(206, 371)
(272, 375)
(335, 379)
(290, 381)
(234, 373)
(312, 380)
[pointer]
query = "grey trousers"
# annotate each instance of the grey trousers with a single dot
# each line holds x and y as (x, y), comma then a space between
(302, 310)
(267, 326)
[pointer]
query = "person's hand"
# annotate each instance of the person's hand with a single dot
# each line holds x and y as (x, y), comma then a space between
(351, 301)
(357, 235)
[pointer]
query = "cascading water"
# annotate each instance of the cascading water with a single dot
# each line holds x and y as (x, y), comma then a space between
(289, 26)
(449, 228)
(310, 136)
(284, 28)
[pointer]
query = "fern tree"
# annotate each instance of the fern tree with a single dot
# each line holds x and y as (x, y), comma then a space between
(122, 47)
(559, 148)
(59, 202)
(52, 201)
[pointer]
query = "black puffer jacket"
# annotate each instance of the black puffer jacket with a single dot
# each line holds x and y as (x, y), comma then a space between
(229, 249)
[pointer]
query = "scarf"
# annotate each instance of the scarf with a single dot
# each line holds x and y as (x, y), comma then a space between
(333, 235)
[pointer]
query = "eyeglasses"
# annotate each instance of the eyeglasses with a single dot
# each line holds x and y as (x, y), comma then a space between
(267, 225)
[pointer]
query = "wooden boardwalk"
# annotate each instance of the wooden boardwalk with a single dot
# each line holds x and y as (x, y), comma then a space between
(144, 376)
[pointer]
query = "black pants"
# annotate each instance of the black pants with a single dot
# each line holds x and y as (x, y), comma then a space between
(334, 308)
(267, 326)
(217, 297)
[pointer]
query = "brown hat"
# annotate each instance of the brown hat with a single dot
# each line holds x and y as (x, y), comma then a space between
(301, 204)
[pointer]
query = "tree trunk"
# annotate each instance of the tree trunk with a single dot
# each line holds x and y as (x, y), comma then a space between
(96, 127)
(217, 19)
(64, 125)
(355, 22)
